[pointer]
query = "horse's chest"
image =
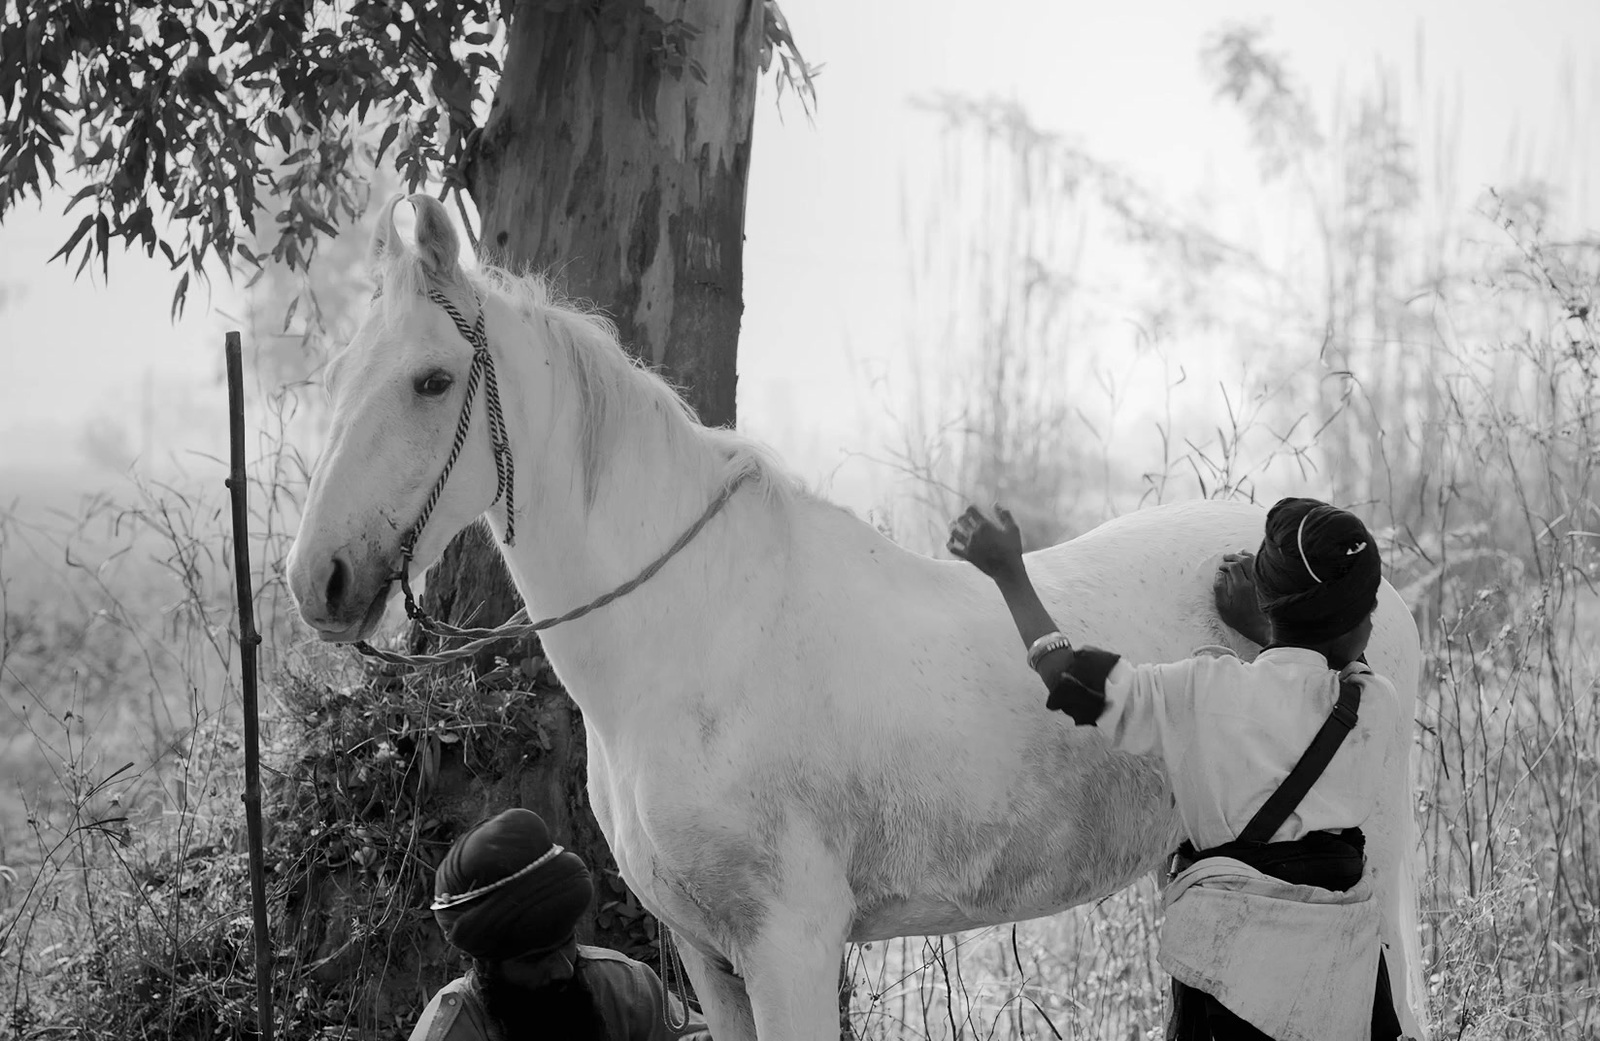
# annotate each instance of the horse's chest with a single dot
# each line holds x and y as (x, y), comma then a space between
(684, 850)
(631, 826)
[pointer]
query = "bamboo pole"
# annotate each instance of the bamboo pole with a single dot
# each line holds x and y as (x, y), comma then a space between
(249, 640)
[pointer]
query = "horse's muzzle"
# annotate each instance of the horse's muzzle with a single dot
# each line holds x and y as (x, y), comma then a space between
(341, 600)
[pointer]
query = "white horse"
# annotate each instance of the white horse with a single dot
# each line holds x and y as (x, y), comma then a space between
(799, 733)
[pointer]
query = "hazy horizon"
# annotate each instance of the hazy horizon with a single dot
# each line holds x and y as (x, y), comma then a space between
(99, 376)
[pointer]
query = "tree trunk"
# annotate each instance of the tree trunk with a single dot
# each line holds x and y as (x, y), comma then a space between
(616, 156)
(627, 179)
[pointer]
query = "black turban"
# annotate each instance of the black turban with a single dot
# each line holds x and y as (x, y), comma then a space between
(1317, 572)
(506, 891)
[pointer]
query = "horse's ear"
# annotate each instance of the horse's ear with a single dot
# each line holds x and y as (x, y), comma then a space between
(384, 237)
(437, 242)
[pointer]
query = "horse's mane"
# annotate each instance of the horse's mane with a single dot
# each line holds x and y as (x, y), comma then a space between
(624, 407)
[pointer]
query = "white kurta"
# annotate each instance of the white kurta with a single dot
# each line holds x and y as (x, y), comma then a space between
(1229, 732)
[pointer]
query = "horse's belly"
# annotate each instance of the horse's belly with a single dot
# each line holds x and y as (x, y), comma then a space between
(919, 916)
(925, 915)
(1057, 822)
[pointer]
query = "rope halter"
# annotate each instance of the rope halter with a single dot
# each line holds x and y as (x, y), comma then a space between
(481, 372)
(518, 626)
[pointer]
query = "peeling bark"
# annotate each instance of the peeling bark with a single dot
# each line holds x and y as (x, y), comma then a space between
(627, 181)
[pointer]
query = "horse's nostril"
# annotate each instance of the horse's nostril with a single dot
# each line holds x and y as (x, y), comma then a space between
(338, 584)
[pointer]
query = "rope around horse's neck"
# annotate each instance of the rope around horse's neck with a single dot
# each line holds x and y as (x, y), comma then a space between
(515, 629)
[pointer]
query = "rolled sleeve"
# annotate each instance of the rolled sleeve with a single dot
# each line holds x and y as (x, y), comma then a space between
(1148, 707)
(1079, 688)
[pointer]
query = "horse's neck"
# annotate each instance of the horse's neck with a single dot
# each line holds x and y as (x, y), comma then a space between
(568, 554)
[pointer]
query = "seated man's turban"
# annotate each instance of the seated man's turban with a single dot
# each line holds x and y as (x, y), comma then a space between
(506, 891)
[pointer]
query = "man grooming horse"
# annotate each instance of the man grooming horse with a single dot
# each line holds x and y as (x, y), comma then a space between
(510, 898)
(1271, 930)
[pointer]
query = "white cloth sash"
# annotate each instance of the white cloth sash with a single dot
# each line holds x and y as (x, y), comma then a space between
(1298, 962)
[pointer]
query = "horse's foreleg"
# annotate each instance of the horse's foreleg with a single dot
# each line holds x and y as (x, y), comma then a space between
(722, 995)
(792, 974)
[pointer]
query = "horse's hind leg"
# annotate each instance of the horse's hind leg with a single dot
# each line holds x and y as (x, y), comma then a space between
(722, 995)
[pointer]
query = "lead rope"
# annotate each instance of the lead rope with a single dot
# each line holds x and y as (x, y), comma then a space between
(513, 629)
(673, 981)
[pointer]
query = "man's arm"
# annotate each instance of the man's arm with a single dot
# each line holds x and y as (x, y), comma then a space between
(1075, 678)
(996, 550)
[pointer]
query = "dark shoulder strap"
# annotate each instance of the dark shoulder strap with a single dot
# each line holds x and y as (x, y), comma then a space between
(1282, 802)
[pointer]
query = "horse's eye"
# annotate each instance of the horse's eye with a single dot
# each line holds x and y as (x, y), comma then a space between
(433, 384)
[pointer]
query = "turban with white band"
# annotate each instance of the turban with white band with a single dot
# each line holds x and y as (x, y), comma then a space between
(506, 891)
(1317, 571)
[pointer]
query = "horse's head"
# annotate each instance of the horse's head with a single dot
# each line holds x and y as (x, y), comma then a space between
(398, 390)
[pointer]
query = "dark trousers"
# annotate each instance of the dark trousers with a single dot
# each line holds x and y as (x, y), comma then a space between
(1320, 859)
(1197, 1016)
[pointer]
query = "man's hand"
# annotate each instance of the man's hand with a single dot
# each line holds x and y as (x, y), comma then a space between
(993, 548)
(1234, 590)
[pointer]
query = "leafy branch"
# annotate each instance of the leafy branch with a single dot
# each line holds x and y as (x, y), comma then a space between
(180, 123)
(180, 119)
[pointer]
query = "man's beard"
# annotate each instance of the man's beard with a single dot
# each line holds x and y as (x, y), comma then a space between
(560, 1009)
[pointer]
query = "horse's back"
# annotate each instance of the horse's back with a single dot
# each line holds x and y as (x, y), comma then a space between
(1140, 585)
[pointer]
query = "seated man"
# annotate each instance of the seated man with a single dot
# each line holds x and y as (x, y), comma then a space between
(510, 898)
